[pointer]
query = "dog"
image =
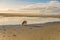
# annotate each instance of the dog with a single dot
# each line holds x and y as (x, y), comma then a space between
(24, 22)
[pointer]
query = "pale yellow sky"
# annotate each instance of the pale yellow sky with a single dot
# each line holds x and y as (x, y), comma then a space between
(52, 7)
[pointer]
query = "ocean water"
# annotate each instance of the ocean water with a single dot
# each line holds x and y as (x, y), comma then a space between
(30, 20)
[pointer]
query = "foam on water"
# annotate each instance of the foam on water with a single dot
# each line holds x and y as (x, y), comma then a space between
(30, 20)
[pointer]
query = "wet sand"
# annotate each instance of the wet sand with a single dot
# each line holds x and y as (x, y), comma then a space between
(47, 31)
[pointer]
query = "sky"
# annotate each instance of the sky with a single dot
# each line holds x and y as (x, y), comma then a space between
(33, 6)
(7, 4)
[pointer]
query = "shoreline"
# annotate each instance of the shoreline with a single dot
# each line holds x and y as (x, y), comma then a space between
(47, 31)
(35, 23)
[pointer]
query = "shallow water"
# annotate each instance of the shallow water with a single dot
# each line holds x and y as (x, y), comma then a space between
(30, 20)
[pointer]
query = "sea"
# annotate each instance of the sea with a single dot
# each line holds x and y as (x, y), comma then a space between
(30, 20)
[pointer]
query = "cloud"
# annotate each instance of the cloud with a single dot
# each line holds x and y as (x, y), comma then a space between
(50, 8)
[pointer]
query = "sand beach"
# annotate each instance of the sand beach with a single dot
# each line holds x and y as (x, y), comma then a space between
(46, 31)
